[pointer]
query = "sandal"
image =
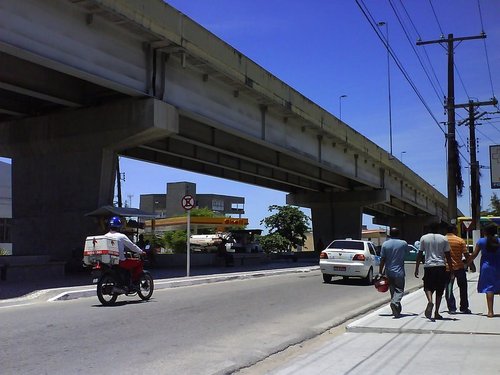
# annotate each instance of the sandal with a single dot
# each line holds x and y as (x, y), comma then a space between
(428, 310)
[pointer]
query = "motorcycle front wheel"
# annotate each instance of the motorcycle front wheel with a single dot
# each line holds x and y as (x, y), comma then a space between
(146, 286)
(105, 287)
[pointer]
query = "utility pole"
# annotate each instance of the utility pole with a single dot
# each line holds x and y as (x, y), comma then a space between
(475, 187)
(450, 109)
(118, 182)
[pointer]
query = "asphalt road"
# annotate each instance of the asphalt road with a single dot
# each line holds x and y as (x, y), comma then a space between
(205, 329)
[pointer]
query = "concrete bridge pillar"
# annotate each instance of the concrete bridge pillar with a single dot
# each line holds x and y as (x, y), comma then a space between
(411, 227)
(337, 215)
(63, 166)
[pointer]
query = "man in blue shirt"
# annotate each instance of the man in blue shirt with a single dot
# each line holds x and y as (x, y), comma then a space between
(392, 258)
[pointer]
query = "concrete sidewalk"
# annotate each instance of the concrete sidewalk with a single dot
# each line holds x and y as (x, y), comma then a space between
(412, 344)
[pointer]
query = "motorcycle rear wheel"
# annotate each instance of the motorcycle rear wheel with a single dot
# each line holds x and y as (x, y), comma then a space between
(105, 286)
(146, 286)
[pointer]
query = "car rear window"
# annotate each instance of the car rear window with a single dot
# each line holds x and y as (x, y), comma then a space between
(348, 245)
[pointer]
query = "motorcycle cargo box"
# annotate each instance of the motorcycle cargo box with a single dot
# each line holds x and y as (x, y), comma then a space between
(100, 249)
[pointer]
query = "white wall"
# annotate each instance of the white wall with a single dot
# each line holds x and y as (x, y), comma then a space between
(5, 190)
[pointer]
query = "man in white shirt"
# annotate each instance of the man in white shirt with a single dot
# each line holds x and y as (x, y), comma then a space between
(437, 254)
(132, 265)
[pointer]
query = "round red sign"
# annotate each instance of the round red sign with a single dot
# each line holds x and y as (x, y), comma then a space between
(187, 202)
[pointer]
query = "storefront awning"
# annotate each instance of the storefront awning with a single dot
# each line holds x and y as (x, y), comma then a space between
(121, 211)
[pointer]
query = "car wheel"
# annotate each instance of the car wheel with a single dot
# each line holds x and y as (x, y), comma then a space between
(327, 278)
(369, 277)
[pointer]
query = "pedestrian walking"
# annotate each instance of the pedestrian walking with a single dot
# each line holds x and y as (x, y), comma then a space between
(392, 264)
(222, 252)
(489, 276)
(458, 252)
(437, 255)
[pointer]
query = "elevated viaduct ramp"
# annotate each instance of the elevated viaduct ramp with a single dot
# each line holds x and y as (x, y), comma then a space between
(83, 81)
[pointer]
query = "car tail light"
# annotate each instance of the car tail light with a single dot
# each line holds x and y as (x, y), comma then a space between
(323, 255)
(359, 257)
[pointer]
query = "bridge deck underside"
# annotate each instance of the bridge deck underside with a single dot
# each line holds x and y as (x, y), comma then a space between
(128, 59)
(203, 149)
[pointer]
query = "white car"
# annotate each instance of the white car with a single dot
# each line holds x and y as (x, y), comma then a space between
(349, 258)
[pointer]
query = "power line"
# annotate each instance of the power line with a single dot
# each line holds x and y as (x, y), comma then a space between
(485, 49)
(435, 16)
(413, 48)
(485, 136)
(480, 15)
(484, 44)
(425, 49)
(461, 80)
(372, 22)
(455, 181)
(454, 64)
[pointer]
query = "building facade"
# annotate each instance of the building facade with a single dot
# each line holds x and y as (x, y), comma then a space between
(169, 204)
(5, 207)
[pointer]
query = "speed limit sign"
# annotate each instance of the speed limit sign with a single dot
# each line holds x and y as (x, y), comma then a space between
(187, 202)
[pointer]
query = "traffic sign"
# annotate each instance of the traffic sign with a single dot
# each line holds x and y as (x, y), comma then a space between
(467, 223)
(187, 202)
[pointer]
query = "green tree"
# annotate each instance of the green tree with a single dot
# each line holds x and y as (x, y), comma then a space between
(494, 205)
(155, 240)
(289, 222)
(176, 240)
(203, 212)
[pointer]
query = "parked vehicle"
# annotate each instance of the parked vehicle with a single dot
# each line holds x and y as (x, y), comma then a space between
(210, 242)
(111, 283)
(411, 253)
(349, 258)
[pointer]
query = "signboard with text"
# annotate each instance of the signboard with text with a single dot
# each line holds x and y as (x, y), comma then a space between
(495, 166)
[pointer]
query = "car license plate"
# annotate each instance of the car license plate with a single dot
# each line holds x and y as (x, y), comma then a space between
(339, 268)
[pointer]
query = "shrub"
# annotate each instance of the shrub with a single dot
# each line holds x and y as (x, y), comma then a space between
(176, 240)
(274, 242)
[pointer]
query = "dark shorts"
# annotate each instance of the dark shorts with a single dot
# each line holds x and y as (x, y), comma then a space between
(435, 279)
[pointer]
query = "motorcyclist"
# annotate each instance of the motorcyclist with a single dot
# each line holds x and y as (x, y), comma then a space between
(133, 266)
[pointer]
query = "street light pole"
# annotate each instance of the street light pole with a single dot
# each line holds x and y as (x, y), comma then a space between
(388, 80)
(340, 106)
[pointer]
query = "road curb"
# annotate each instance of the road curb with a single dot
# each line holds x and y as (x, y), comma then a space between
(89, 291)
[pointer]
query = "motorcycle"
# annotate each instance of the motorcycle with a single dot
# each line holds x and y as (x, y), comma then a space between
(112, 281)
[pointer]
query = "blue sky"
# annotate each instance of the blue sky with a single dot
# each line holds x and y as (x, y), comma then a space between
(325, 49)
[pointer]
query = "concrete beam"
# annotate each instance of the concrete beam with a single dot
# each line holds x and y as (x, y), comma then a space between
(63, 166)
(359, 198)
(116, 126)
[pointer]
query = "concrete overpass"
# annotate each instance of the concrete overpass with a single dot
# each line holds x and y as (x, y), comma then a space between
(82, 81)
